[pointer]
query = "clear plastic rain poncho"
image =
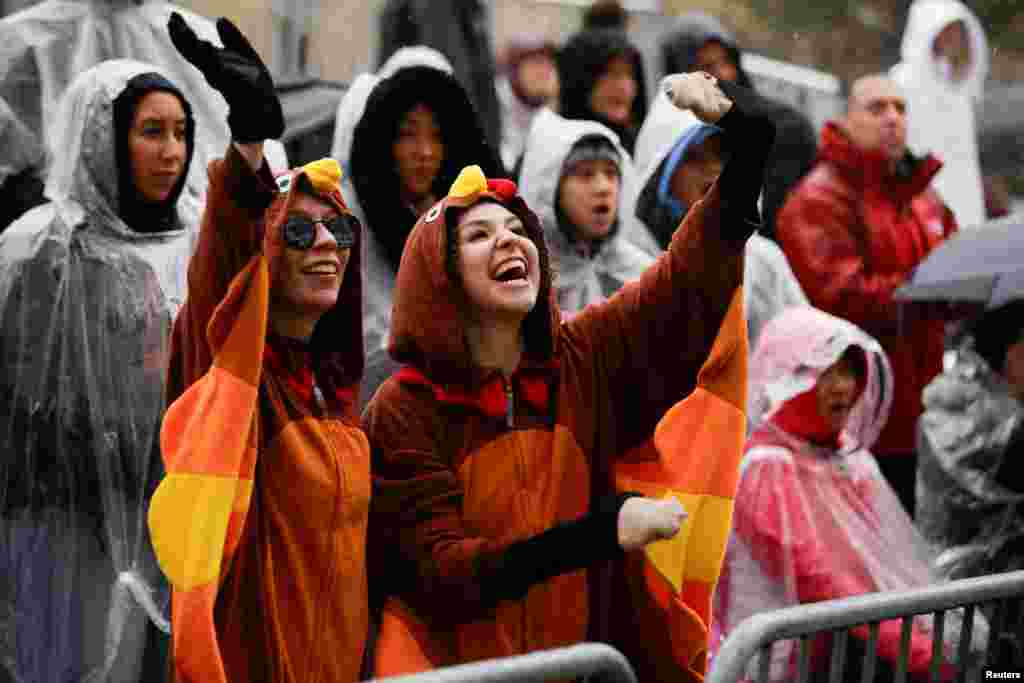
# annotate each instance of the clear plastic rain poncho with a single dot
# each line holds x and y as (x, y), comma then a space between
(45, 46)
(815, 523)
(86, 305)
(971, 426)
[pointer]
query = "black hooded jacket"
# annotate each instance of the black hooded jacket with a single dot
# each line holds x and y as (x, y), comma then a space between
(374, 172)
(796, 143)
(582, 61)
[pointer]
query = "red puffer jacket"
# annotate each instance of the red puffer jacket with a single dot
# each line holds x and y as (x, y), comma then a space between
(853, 233)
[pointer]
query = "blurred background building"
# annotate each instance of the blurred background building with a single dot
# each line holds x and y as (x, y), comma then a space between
(799, 51)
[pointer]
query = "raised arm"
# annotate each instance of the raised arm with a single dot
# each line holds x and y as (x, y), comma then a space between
(649, 341)
(241, 188)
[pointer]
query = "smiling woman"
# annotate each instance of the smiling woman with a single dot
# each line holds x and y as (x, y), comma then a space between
(500, 520)
(267, 355)
(311, 269)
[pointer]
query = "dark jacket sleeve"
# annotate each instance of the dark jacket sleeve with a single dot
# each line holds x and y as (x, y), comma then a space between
(647, 343)
(230, 234)
(796, 146)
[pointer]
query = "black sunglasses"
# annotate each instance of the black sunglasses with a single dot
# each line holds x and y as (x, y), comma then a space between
(299, 231)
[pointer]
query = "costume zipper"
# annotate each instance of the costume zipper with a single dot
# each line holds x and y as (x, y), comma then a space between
(510, 403)
(339, 469)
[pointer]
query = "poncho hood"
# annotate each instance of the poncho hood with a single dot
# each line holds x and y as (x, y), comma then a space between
(926, 20)
(795, 348)
(84, 143)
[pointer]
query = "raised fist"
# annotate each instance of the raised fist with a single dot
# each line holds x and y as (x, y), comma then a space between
(645, 520)
(698, 92)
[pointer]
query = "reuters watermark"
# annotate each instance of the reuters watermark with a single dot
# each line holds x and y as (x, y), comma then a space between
(1003, 675)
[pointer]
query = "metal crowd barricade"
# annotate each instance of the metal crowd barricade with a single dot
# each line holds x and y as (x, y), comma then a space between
(603, 662)
(756, 635)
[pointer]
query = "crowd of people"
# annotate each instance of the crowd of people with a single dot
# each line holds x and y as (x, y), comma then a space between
(534, 358)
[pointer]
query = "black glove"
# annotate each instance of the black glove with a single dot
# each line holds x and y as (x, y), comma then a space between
(238, 73)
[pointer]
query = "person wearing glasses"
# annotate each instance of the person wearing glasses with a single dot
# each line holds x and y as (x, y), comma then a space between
(260, 523)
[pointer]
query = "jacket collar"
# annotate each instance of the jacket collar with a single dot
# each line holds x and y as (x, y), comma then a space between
(532, 382)
(872, 169)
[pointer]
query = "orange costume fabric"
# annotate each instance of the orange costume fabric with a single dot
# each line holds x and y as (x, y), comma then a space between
(466, 465)
(260, 524)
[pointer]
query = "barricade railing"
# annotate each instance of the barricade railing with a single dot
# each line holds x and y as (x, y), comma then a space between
(601, 662)
(1001, 594)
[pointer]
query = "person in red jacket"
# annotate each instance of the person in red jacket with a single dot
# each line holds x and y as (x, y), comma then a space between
(854, 229)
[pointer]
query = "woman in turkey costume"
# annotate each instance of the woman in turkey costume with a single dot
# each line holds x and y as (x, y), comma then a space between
(260, 524)
(502, 448)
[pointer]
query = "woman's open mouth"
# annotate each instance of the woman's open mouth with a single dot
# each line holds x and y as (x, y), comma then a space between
(512, 271)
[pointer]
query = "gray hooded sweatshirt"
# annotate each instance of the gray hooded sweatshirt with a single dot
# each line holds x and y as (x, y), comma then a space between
(582, 279)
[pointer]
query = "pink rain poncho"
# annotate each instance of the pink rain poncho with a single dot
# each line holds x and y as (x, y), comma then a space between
(819, 522)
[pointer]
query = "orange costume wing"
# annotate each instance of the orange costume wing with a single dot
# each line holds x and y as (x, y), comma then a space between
(210, 441)
(698, 445)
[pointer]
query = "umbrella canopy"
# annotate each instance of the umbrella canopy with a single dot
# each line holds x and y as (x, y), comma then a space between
(985, 266)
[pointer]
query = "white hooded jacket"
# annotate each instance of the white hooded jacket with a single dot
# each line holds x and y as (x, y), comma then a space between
(582, 280)
(940, 113)
(769, 284)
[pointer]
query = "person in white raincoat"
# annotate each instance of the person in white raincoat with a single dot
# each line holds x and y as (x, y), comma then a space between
(815, 519)
(45, 46)
(590, 254)
(668, 145)
(89, 285)
(944, 65)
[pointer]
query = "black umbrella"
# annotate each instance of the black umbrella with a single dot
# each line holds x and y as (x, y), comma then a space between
(983, 265)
